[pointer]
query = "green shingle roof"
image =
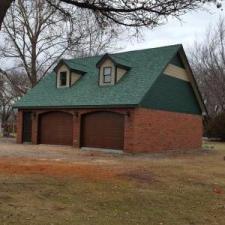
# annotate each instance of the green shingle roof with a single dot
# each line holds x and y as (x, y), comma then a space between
(145, 66)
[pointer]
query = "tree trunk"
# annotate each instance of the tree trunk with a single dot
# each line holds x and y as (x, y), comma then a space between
(5, 130)
(34, 62)
(4, 5)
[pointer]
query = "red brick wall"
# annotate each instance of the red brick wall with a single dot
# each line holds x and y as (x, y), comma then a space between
(145, 130)
(161, 131)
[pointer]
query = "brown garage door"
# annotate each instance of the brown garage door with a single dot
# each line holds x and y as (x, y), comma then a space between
(103, 130)
(56, 128)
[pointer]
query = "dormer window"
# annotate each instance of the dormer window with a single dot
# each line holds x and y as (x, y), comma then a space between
(110, 70)
(63, 79)
(66, 76)
(107, 74)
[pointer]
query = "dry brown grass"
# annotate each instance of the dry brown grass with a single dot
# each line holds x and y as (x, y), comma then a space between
(159, 189)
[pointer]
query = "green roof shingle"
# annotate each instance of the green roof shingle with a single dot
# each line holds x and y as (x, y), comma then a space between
(145, 66)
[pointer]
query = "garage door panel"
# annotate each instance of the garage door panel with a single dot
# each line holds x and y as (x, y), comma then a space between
(103, 130)
(56, 128)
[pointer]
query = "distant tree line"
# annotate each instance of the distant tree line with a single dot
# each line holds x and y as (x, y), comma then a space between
(208, 63)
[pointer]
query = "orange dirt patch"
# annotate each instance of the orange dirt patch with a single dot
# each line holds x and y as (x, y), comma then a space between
(58, 169)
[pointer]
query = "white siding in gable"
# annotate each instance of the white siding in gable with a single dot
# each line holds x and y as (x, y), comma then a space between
(177, 72)
(74, 78)
(120, 73)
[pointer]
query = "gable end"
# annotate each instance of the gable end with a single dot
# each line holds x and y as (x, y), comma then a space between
(175, 90)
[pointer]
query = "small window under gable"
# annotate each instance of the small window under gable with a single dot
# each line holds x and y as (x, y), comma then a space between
(63, 78)
(107, 74)
(110, 71)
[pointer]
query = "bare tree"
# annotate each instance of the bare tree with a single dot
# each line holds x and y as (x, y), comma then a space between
(13, 85)
(36, 36)
(96, 40)
(4, 6)
(17, 82)
(7, 97)
(208, 63)
(126, 12)
(136, 13)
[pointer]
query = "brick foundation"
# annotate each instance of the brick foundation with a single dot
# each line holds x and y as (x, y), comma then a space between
(145, 130)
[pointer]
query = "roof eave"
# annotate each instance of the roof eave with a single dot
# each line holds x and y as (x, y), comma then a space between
(78, 107)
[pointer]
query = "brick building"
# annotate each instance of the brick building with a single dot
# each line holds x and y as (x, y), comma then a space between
(138, 101)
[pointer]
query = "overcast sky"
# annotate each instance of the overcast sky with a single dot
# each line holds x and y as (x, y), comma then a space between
(192, 27)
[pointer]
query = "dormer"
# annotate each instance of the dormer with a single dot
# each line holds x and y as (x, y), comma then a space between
(65, 75)
(110, 70)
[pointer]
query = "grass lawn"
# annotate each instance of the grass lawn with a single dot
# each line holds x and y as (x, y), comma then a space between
(173, 190)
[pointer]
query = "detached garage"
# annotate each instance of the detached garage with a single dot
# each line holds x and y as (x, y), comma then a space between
(139, 101)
